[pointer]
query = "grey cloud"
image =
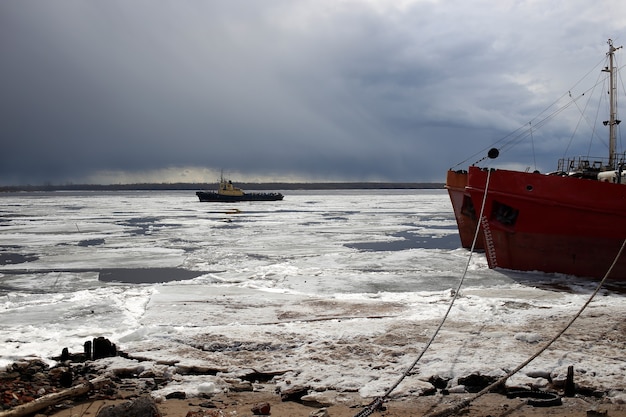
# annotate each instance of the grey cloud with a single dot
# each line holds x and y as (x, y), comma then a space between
(340, 89)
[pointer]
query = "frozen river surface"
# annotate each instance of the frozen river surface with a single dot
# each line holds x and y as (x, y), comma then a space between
(331, 290)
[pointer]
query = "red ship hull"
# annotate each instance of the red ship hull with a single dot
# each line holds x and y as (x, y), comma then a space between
(551, 223)
(464, 211)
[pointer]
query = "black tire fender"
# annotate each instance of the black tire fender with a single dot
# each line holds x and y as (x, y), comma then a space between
(537, 398)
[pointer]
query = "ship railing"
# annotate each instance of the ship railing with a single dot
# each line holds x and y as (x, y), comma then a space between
(591, 164)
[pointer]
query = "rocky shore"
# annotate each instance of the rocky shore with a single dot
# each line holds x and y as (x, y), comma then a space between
(104, 382)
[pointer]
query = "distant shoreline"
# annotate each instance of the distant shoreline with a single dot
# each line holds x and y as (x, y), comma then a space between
(243, 185)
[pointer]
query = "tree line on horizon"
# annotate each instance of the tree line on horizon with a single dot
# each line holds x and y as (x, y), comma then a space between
(211, 186)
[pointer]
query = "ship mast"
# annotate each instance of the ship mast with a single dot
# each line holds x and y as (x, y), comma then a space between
(612, 122)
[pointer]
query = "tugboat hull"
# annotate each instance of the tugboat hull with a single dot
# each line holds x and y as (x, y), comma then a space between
(209, 196)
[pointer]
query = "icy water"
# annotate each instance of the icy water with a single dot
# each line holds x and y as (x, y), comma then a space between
(332, 289)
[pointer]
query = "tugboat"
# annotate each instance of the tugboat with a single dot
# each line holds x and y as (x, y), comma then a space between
(228, 193)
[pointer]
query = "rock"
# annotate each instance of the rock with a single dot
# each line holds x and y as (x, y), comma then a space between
(597, 413)
(457, 389)
(438, 382)
(319, 399)
(180, 395)
(476, 382)
(142, 407)
(294, 394)
(66, 378)
(149, 373)
(196, 370)
(261, 409)
(322, 412)
(540, 374)
(29, 367)
(429, 391)
(128, 371)
(241, 386)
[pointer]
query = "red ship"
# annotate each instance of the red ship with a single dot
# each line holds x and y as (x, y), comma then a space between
(572, 221)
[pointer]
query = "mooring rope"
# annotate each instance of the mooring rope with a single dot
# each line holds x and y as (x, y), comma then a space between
(377, 403)
(454, 409)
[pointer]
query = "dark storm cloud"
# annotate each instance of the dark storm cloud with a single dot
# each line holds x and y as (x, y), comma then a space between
(343, 90)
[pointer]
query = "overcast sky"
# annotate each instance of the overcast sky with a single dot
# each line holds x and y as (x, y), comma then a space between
(109, 91)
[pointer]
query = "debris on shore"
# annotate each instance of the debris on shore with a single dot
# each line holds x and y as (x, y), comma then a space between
(102, 372)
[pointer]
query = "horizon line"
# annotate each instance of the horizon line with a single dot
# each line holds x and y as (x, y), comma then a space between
(250, 185)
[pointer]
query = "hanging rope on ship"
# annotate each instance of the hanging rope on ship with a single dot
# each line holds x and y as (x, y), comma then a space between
(377, 403)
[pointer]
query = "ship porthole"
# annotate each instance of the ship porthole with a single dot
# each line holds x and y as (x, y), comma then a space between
(529, 188)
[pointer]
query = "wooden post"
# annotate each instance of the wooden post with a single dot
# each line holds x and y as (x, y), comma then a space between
(87, 349)
(570, 387)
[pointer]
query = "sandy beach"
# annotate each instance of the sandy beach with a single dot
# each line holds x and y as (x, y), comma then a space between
(91, 387)
(348, 405)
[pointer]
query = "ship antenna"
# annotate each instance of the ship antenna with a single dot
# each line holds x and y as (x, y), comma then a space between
(612, 122)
